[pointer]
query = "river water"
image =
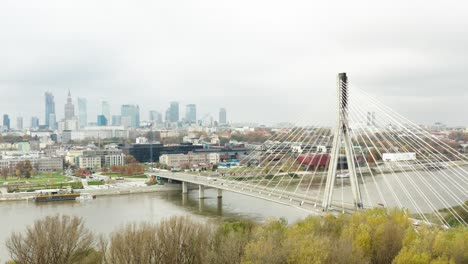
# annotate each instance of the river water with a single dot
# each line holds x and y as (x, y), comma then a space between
(106, 213)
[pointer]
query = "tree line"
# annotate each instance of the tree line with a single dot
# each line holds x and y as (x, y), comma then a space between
(21, 169)
(372, 236)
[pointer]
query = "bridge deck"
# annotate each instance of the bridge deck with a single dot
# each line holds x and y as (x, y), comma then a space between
(300, 201)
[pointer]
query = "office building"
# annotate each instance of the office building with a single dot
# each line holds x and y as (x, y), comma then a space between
(189, 160)
(155, 117)
(34, 122)
(6, 122)
(101, 120)
(222, 116)
(174, 112)
(82, 112)
(69, 108)
(191, 113)
(105, 107)
(116, 120)
(49, 108)
(52, 121)
(19, 123)
(130, 115)
(152, 152)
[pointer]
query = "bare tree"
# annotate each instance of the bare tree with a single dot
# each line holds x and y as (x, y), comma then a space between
(175, 240)
(55, 239)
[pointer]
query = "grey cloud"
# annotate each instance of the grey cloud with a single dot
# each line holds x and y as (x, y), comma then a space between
(265, 61)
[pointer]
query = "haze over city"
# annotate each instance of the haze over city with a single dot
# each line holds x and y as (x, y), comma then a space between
(264, 61)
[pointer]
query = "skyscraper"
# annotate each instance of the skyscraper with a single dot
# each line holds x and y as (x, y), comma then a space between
(101, 120)
(34, 122)
(6, 122)
(174, 112)
(222, 116)
(116, 120)
(82, 112)
(130, 115)
(155, 117)
(69, 108)
(19, 123)
(49, 107)
(191, 113)
(52, 121)
(105, 110)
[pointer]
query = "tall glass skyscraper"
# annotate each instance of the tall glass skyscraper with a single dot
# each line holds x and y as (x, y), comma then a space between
(174, 112)
(34, 122)
(130, 115)
(222, 116)
(155, 117)
(191, 113)
(105, 107)
(82, 112)
(49, 107)
(6, 122)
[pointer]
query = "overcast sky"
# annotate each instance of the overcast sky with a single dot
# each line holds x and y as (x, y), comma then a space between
(264, 61)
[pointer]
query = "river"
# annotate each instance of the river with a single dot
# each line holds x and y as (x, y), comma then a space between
(106, 213)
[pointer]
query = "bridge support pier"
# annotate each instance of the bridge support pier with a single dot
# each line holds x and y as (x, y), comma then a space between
(184, 187)
(201, 191)
(220, 193)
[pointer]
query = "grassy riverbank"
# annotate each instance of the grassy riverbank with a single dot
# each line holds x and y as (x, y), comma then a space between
(39, 179)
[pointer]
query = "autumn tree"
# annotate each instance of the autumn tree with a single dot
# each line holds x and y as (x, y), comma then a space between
(267, 245)
(129, 159)
(5, 172)
(229, 242)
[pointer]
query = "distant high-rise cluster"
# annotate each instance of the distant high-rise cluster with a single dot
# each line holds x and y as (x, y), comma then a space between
(129, 116)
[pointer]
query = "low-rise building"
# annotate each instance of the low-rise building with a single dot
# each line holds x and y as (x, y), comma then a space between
(50, 164)
(114, 160)
(87, 162)
(44, 164)
(189, 160)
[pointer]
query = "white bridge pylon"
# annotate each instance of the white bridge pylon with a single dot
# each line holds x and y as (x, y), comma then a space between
(341, 138)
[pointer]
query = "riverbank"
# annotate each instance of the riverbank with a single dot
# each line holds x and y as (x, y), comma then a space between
(100, 192)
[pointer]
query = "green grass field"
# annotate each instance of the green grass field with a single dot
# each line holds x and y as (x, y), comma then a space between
(39, 179)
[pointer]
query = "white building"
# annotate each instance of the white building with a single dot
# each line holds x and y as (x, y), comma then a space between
(69, 124)
(189, 160)
(114, 160)
(141, 140)
(85, 162)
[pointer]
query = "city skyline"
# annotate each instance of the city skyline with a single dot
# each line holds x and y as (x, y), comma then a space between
(80, 108)
(396, 57)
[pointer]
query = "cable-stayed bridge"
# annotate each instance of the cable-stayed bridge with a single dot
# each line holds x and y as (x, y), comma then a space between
(372, 157)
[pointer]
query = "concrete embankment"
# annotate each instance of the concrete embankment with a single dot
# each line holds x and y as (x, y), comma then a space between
(99, 192)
